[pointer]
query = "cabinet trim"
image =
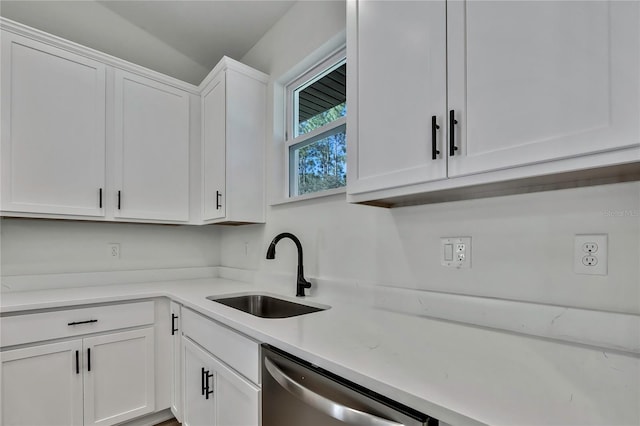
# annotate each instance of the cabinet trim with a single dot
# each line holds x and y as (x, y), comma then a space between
(43, 37)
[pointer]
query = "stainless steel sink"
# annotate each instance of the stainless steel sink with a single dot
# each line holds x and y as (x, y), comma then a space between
(265, 306)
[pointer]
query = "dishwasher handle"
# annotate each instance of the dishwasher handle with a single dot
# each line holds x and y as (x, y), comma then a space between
(325, 405)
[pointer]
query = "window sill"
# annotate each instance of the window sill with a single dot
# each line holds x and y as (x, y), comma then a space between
(312, 196)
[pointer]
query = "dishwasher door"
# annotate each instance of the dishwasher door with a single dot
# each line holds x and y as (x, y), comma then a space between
(297, 393)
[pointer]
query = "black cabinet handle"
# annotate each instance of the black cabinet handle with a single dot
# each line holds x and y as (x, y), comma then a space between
(173, 324)
(434, 128)
(82, 322)
(77, 362)
(209, 390)
(100, 198)
(88, 359)
(452, 134)
(119, 199)
(218, 195)
(203, 374)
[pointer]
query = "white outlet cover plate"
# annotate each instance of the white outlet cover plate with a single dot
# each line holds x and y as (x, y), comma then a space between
(582, 256)
(113, 250)
(457, 246)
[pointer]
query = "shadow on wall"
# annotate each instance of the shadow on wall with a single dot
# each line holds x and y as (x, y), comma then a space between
(38, 246)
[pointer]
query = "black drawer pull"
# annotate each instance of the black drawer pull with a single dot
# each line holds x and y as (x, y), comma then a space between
(173, 324)
(203, 374)
(209, 391)
(100, 198)
(452, 134)
(119, 199)
(82, 322)
(218, 195)
(434, 128)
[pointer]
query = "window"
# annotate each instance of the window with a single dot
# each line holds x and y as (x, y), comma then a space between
(316, 139)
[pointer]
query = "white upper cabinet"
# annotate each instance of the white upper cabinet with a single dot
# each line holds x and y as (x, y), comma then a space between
(397, 83)
(53, 130)
(87, 136)
(213, 149)
(519, 90)
(233, 137)
(151, 161)
(536, 81)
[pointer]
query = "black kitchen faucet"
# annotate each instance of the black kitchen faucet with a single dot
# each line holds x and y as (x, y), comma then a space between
(301, 283)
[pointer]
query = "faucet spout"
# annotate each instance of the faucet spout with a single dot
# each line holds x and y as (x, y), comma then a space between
(301, 282)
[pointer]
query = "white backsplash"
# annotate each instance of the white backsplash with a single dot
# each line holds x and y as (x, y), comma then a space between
(36, 246)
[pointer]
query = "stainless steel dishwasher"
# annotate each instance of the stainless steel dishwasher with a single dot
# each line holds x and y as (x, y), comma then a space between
(297, 393)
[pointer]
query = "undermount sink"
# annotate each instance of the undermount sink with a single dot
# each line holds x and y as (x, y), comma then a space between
(264, 306)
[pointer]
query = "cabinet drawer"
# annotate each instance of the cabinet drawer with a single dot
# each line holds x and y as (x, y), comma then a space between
(20, 329)
(236, 350)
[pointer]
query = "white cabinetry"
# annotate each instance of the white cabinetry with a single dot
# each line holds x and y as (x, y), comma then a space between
(220, 374)
(94, 380)
(87, 136)
(53, 130)
(532, 89)
(119, 376)
(214, 394)
(84, 139)
(176, 364)
(41, 385)
(233, 138)
(400, 63)
(151, 166)
(537, 81)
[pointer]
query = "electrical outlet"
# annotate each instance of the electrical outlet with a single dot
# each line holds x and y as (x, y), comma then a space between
(590, 254)
(113, 250)
(455, 252)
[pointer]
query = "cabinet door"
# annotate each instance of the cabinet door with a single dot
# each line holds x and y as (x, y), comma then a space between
(42, 385)
(237, 401)
(396, 55)
(151, 150)
(53, 129)
(232, 400)
(119, 376)
(214, 149)
(198, 410)
(536, 81)
(176, 357)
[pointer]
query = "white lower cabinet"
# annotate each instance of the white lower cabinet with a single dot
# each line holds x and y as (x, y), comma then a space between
(215, 395)
(119, 377)
(100, 380)
(176, 360)
(92, 379)
(220, 374)
(43, 376)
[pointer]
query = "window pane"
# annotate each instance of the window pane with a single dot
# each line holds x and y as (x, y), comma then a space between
(320, 164)
(322, 101)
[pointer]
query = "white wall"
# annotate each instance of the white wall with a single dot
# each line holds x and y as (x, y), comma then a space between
(35, 246)
(522, 245)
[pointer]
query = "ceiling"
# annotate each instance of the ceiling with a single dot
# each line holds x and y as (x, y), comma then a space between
(181, 38)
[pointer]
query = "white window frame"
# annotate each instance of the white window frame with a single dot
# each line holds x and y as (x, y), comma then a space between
(324, 67)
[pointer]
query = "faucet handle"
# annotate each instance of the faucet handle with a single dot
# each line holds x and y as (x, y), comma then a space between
(302, 284)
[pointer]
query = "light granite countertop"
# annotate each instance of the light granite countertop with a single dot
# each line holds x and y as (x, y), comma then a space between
(460, 374)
